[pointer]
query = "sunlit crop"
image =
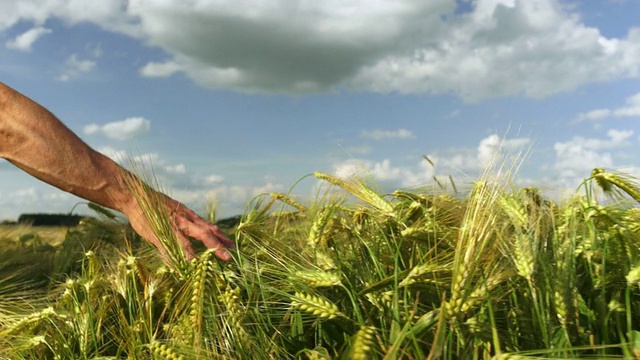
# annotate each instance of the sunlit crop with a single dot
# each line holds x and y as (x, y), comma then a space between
(492, 272)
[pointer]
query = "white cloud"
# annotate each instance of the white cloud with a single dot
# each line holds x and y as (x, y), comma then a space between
(25, 196)
(110, 14)
(500, 47)
(378, 134)
(114, 154)
(384, 171)
(619, 136)
(154, 69)
(577, 157)
(74, 67)
(533, 48)
(120, 130)
(179, 169)
(231, 199)
(214, 179)
(632, 109)
(466, 162)
(493, 145)
(594, 115)
(24, 41)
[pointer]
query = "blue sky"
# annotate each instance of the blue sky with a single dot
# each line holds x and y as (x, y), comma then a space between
(232, 99)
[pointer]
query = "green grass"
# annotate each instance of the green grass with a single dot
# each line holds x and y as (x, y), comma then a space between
(490, 273)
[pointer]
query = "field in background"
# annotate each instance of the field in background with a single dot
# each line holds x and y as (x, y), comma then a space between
(488, 273)
(11, 235)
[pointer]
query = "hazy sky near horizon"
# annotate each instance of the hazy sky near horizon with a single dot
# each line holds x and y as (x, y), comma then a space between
(232, 99)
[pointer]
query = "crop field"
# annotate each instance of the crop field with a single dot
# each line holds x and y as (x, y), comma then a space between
(438, 273)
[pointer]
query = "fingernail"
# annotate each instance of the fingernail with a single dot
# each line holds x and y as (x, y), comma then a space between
(224, 256)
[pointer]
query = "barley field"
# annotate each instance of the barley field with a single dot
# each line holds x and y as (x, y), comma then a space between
(490, 272)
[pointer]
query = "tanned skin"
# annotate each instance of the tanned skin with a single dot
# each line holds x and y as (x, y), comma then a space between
(34, 140)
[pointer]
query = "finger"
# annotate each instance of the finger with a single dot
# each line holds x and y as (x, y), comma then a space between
(192, 225)
(223, 255)
(207, 233)
(186, 246)
(201, 231)
(222, 237)
(211, 241)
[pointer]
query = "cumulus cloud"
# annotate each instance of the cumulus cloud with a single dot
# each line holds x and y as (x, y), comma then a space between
(231, 199)
(594, 115)
(213, 179)
(120, 130)
(154, 69)
(499, 47)
(577, 157)
(378, 134)
(631, 109)
(493, 145)
(75, 66)
(441, 163)
(179, 169)
(24, 41)
(110, 14)
(114, 154)
(383, 171)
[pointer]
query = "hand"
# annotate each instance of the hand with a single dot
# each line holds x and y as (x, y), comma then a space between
(186, 224)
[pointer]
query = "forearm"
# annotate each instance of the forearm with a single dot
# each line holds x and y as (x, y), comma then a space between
(37, 142)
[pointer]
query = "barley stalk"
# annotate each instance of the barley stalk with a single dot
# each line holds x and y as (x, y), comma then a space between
(361, 191)
(402, 194)
(101, 210)
(234, 314)
(30, 320)
(382, 300)
(92, 265)
(287, 199)
(474, 240)
(475, 326)
(633, 277)
(317, 278)
(324, 261)
(362, 342)
(181, 331)
(508, 356)
(315, 305)
(524, 255)
(317, 230)
(164, 352)
(608, 180)
(153, 207)
(199, 281)
(359, 217)
(563, 283)
(483, 289)
(514, 210)
(417, 274)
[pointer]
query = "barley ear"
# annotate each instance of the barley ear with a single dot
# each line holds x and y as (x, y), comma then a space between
(164, 352)
(360, 190)
(609, 182)
(362, 342)
(316, 305)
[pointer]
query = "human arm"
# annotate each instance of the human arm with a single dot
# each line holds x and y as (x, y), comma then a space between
(37, 142)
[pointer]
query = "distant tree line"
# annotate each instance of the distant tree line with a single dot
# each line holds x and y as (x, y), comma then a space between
(50, 219)
(74, 220)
